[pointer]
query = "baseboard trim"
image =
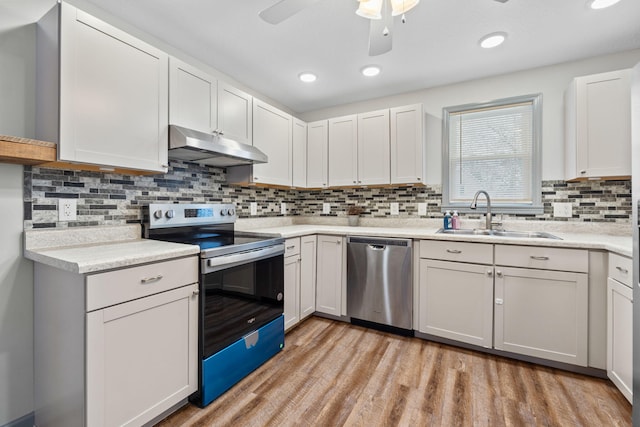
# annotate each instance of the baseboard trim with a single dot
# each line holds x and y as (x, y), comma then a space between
(24, 421)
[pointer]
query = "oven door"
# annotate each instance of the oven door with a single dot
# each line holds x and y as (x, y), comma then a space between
(242, 292)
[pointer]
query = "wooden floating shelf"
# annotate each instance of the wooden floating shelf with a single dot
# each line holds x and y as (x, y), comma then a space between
(24, 151)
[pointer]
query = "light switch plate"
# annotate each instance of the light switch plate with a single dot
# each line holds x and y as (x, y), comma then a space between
(67, 209)
(422, 209)
(283, 208)
(326, 208)
(254, 208)
(395, 208)
(562, 210)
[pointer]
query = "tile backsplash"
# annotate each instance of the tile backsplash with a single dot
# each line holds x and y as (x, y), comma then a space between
(112, 199)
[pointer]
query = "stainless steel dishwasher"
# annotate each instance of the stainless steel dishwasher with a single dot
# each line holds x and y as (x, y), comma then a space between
(379, 285)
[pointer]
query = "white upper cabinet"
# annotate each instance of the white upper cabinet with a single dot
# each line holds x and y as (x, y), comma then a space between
(317, 154)
(343, 151)
(193, 97)
(272, 134)
(108, 105)
(407, 145)
(373, 148)
(235, 113)
(299, 154)
(598, 126)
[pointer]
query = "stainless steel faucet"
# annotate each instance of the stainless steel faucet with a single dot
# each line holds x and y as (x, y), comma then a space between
(474, 205)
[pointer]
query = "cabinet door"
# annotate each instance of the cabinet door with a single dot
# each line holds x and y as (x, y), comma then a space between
(456, 301)
(299, 155)
(329, 283)
(407, 145)
(272, 134)
(542, 314)
(373, 148)
(603, 125)
(317, 154)
(235, 114)
(620, 336)
(193, 97)
(343, 151)
(141, 357)
(291, 291)
(307, 276)
(113, 96)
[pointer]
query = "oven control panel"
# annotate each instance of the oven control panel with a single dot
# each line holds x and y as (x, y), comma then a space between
(161, 215)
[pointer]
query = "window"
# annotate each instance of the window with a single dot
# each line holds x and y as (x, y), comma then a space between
(493, 147)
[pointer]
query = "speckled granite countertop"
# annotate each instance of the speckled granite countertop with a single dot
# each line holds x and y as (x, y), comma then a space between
(93, 249)
(614, 243)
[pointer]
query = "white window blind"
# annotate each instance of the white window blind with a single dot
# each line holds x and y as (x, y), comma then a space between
(493, 147)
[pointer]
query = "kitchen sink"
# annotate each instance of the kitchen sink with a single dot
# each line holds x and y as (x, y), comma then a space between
(500, 233)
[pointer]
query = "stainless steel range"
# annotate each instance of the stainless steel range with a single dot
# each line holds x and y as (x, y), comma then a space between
(241, 290)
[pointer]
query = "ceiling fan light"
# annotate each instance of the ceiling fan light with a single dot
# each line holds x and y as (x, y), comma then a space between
(370, 9)
(601, 4)
(398, 7)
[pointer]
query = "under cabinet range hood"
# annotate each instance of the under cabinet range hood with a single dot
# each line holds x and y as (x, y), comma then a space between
(210, 149)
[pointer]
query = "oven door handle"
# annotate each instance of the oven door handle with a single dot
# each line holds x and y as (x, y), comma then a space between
(245, 257)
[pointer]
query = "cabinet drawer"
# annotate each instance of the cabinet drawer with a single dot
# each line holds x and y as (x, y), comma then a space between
(543, 258)
(118, 286)
(292, 247)
(477, 253)
(621, 269)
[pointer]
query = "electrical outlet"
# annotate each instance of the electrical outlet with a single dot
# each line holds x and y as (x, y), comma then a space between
(562, 210)
(253, 206)
(67, 209)
(422, 209)
(395, 209)
(326, 208)
(283, 208)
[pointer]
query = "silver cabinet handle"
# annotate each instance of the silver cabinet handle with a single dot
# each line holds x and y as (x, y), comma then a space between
(489, 273)
(196, 292)
(583, 171)
(499, 301)
(454, 251)
(622, 270)
(540, 258)
(152, 279)
(338, 242)
(418, 178)
(499, 273)
(291, 247)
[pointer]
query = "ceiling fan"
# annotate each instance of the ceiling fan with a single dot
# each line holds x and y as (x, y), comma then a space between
(379, 12)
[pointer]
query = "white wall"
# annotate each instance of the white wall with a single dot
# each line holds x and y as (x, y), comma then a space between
(551, 81)
(17, 117)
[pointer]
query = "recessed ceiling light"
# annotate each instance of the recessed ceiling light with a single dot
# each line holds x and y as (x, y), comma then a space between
(492, 40)
(371, 70)
(307, 77)
(601, 4)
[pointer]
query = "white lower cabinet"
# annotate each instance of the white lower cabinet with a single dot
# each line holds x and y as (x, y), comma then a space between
(118, 348)
(620, 324)
(456, 301)
(299, 279)
(330, 286)
(542, 314)
(307, 276)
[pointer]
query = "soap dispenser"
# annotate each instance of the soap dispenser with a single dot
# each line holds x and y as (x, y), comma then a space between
(455, 221)
(447, 221)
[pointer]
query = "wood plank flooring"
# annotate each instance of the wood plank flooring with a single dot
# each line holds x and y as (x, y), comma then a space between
(332, 374)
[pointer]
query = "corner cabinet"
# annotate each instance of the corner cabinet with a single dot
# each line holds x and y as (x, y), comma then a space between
(331, 280)
(598, 126)
(102, 94)
(272, 134)
(318, 154)
(114, 348)
(620, 324)
(407, 145)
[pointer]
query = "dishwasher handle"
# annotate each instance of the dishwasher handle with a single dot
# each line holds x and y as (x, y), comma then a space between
(376, 247)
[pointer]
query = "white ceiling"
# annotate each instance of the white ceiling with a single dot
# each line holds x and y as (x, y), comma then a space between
(438, 44)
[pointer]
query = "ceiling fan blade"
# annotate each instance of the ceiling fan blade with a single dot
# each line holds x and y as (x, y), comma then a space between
(284, 9)
(380, 43)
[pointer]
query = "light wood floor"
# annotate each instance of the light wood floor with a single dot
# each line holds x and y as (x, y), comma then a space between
(332, 374)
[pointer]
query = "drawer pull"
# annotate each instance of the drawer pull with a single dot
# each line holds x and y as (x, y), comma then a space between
(622, 270)
(540, 258)
(291, 247)
(454, 251)
(152, 279)
(196, 292)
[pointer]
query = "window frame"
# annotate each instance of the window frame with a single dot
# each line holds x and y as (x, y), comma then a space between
(533, 207)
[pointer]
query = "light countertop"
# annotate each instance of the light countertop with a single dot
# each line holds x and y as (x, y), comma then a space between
(621, 245)
(95, 249)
